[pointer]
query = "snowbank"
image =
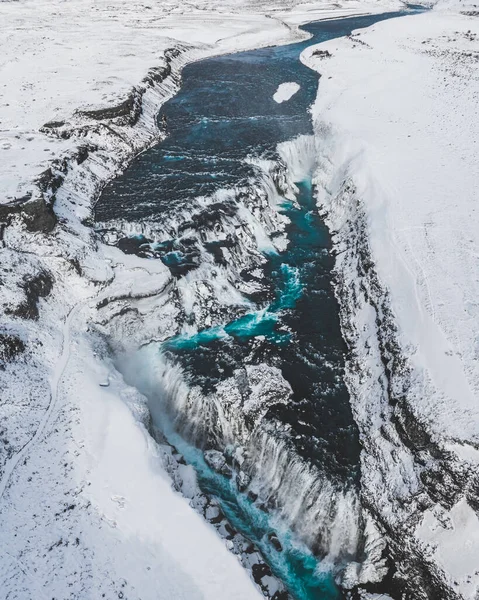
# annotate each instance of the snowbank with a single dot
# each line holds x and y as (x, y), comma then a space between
(397, 129)
(57, 58)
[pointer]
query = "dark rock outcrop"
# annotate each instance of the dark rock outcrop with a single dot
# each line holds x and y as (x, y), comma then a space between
(34, 288)
(10, 347)
(37, 213)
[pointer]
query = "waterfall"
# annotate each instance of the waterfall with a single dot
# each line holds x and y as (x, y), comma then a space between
(233, 416)
(324, 515)
(299, 155)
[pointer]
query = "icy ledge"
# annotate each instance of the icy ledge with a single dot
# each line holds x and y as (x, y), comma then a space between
(398, 169)
(286, 91)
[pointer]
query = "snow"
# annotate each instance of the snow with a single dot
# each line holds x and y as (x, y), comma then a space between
(57, 58)
(397, 128)
(286, 91)
(412, 133)
(122, 526)
(132, 493)
(453, 540)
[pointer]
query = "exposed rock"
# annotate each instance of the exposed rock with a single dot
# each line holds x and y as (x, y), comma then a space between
(273, 538)
(10, 347)
(35, 288)
(39, 215)
(216, 460)
(322, 53)
(50, 180)
(242, 481)
(124, 113)
(54, 124)
(260, 571)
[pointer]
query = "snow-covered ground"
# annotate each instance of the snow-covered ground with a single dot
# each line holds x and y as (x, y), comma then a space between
(58, 57)
(97, 515)
(397, 133)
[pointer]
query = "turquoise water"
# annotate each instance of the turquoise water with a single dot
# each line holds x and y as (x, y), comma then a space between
(262, 322)
(191, 342)
(295, 565)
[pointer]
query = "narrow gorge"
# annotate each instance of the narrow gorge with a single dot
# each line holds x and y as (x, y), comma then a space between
(241, 355)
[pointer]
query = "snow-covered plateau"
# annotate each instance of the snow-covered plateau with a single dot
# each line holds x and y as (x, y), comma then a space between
(94, 504)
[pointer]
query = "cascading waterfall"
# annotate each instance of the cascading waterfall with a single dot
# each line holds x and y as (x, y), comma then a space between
(326, 517)
(306, 577)
(299, 156)
(235, 414)
(247, 382)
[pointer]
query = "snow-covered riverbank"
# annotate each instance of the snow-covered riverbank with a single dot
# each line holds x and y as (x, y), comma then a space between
(397, 129)
(58, 58)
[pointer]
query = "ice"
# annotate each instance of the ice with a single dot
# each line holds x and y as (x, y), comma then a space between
(286, 91)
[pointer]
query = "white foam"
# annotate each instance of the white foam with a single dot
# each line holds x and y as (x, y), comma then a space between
(300, 157)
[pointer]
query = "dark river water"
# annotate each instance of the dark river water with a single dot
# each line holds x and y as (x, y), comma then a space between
(224, 113)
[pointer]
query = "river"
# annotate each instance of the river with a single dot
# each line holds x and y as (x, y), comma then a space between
(194, 191)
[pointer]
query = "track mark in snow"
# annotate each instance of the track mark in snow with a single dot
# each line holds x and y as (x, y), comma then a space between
(54, 386)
